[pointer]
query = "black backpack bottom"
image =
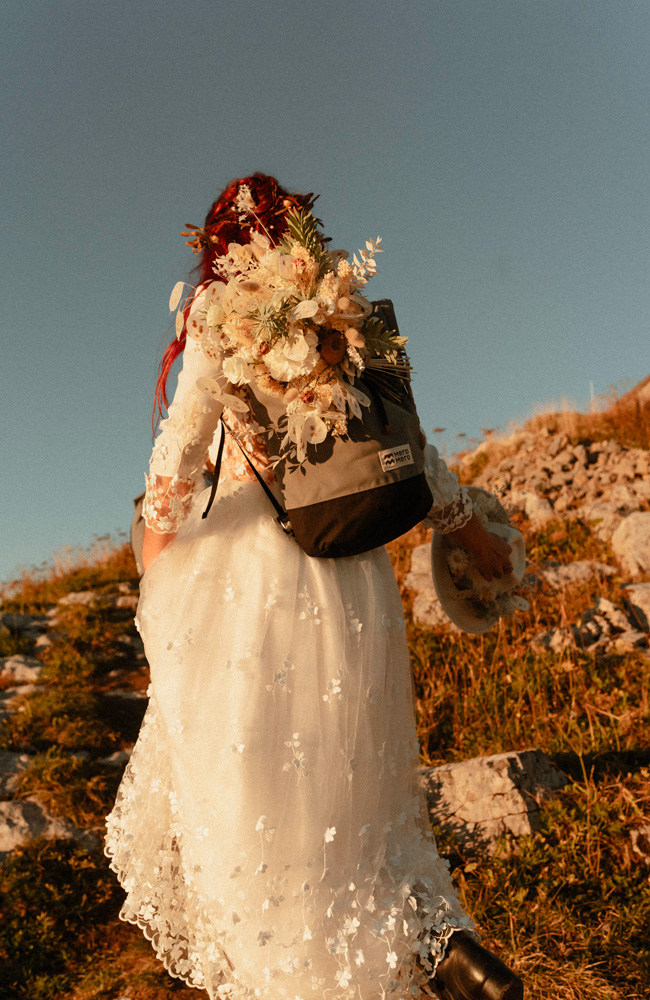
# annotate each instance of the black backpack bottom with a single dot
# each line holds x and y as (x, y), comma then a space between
(347, 526)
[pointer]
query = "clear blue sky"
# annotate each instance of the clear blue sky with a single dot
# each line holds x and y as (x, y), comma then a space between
(500, 148)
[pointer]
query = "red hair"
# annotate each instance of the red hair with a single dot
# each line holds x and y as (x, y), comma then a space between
(223, 226)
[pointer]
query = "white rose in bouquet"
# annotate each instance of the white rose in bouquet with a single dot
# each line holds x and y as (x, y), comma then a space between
(237, 371)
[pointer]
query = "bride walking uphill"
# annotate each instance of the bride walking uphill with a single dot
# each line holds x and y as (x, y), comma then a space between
(270, 831)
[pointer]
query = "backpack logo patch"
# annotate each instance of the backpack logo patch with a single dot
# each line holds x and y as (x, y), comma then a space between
(394, 458)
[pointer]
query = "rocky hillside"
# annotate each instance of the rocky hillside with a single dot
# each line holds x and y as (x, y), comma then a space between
(545, 476)
(36, 714)
(547, 481)
(563, 689)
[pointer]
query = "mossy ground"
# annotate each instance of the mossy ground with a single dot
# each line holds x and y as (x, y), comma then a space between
(569, 907)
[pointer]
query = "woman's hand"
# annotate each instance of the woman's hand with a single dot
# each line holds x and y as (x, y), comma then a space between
(153, 544)
(490, 553)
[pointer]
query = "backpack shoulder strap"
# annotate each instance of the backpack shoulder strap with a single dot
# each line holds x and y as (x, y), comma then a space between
(282, 516)
(217, 469)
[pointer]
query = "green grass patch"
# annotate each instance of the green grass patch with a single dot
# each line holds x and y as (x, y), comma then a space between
(565, 541)
(81, 791)
(570, 905)
(56, 899)
(64, 717)
(12, 643)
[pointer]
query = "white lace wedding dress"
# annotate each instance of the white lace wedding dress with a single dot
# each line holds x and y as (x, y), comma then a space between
(270, 830)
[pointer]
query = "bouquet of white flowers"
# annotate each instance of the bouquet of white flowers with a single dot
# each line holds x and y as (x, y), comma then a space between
(291, 320)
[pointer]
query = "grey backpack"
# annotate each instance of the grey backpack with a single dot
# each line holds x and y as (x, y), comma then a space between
(355, 492)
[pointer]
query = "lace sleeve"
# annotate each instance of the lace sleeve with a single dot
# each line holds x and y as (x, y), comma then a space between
(181, 448)
(452, 506)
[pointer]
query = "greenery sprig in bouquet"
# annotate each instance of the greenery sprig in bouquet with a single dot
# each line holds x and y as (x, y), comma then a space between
(291, 320)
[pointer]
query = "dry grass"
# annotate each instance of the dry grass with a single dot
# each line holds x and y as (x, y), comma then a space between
(568, 907)
(625, 420)
(101, 566)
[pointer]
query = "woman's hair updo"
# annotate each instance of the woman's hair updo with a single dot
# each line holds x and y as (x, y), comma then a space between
(226, 223)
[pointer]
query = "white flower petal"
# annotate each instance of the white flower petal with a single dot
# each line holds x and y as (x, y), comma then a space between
(338, 396)
(175, 296)
(237, 371)
(234, 403)
(196, 327)
(215, 314)
(305, 309)
(209, 385)
(314, 430)
(214, 292)
(295, 348)
(355, 409)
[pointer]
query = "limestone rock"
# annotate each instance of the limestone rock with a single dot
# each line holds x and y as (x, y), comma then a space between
(127, 601)
(427, 610)
(126, 695)
(565, 458)
(580, 455)
(545, 476)
(10, 697)
(641, 842)
(596, 628)
(625, 468)
(23, 821)
(580, 479)
(45, 641)
(11, 764)
(602, 516)
(631, 543)
(605, 626)
(116, 759)
(537, 509)
(87, 597)
(21, 668)
(627, 642)
(23, 624)
(559, 575)
(642, 489)
(563, 501)
(480, 799)
(133, 641)
(609, 617)
(637, 599)
(421, 560)
(557, 444)
(557, 640)
(625, 498)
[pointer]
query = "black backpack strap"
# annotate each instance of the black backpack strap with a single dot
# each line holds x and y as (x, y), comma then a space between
(217, 469)
(282, 516)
